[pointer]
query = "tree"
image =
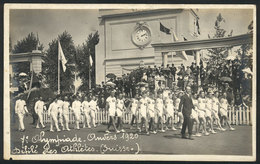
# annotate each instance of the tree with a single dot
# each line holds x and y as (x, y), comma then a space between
(82, 60)
(27, 44)
(50, 65)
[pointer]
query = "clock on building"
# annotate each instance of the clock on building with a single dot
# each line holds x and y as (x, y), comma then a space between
(141, 36)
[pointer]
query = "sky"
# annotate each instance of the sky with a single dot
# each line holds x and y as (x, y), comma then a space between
(80, 23)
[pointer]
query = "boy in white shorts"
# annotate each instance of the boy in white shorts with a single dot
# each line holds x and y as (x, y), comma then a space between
(169, 110)
(151, 113)
(224, 110)
(86, 112)
(202, 112)
(215, 110)
(179, 113)
(209, 111)
(143, 112)
(120, 107)
(77, 110)
(65, 113)
(195, 114)
(111, 108)
(159, 106)
(134, 111)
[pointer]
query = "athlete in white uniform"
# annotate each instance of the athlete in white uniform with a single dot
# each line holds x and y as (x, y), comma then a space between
(60, 116)
(215, 110)
(53, 113)
(179, 113)
(111, 108)
(169, 111)
(120, 107)
(86, 112)
(65, 113)
(202, 110)
(224, 110)
(195, 114)
(39, 107)
(93, 109)
(76, 108)
(21, 110)
(151, 113)
(159, 109)
(134, 105)
(143, 112)
(209, 111)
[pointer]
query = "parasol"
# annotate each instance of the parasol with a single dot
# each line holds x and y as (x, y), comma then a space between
(141, 83)
(247, 70)
(226, 79)
(110, 84)
(22, 74)
(111, 75)
(230, 57)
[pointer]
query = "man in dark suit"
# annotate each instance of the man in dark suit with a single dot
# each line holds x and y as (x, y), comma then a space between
(186, 106)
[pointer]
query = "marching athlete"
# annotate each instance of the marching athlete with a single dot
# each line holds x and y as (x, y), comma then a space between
(134, 105)
(195, 114)
(224, 110)
(209, 112)
(120, 107)
(53, 113)
(215, 110)
(76, 108)
(21, 110)
(111, 107)
(39, 107)
(60, 115)
(202, 112)
(93, 109)
(151, 113)
(65, 113)
(86, 112)
(169, 111)
(159, 109)
(143, 112)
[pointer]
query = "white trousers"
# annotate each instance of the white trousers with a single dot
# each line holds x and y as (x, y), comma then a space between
(21, 124)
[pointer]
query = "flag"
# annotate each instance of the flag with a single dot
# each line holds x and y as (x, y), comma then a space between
(164, 29)
(90, 60)
(62, 57)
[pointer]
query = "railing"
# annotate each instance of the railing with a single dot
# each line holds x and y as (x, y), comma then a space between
(238, 116)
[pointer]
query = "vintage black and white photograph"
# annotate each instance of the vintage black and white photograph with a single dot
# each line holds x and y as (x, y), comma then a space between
(130, 82)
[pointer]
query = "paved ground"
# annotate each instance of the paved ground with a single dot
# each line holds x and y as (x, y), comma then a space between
(238, 142)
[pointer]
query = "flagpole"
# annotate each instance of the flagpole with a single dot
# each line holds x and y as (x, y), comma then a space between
(89, 77)
(58, 69)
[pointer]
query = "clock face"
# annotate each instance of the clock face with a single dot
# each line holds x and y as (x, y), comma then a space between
(141, 36)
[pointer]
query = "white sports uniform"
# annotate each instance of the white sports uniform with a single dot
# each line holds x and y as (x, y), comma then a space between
(119, 107)
(223, 107)
(194, 112)
(209, 103)
(93, 108)
(143, 107)
(134, 106)
(53, 112)
(169, 107)
(159, 106)
(201, 107)
(215, 107)
(65, 112)
(76, 108)
(150, 107)
(20, 110)
(39, 107)
(112, 105)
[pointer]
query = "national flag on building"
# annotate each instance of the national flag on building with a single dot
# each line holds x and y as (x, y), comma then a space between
(62, 57)
(165, 29)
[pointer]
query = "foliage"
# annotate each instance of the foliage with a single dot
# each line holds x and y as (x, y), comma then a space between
(50, 65)
(27, 44)
(82, 60)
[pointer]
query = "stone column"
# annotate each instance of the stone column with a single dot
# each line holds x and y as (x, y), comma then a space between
(165, 59)
(197, 57)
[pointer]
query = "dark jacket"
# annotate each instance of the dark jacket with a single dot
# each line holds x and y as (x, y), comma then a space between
(186, 105)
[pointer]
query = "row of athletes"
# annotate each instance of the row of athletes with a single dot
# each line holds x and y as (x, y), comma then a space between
(206, 111)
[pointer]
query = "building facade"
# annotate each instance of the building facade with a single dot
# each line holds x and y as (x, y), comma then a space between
(126, 38)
